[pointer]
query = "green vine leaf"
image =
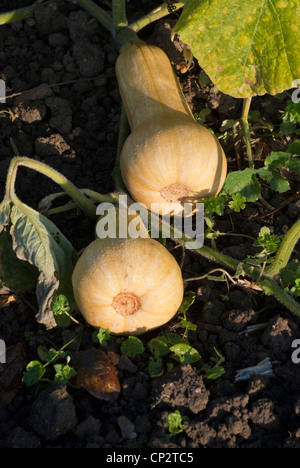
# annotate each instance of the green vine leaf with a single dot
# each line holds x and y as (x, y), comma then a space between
(247, 185)
(16, 274)
(36, 240)
(246, 48)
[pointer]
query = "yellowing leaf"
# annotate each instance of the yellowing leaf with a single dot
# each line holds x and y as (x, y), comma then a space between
(247, 48)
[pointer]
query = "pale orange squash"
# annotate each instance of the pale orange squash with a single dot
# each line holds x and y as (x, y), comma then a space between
(168, 158)
(128, 286)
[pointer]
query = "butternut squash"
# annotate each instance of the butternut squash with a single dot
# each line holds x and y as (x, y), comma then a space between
(128, 286)
(168, 158)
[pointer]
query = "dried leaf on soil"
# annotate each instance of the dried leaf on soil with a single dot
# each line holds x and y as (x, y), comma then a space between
(96, 374)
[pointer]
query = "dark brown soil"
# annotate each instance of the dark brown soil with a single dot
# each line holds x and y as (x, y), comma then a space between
(74, 128)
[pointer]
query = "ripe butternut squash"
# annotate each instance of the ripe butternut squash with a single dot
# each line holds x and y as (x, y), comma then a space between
(168, 158)
(128, 286)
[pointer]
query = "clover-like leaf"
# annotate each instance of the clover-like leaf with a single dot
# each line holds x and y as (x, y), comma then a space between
(246, 48)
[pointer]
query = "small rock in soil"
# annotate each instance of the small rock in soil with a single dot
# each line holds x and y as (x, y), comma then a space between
(278, 335)
(143, 424)
(82, 26)
(61, 112)
(257, 384)
(89, 58)
(237, 299)
(23, 439)
(88, 428)
(182, 388)
(263, 414)
(126, 364)
(50, 20)
(53, 413)
(31, 112)
(127, 428)
(212, 312)
(237, 320)
(55, 145)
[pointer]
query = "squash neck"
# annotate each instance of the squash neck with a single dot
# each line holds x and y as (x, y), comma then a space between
(126, 37)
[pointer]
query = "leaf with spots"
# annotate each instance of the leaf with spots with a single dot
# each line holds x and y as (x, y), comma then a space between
(246, 48)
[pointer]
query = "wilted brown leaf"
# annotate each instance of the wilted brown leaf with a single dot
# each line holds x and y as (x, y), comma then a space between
(6, 299)
(11, 373)
(96, 374)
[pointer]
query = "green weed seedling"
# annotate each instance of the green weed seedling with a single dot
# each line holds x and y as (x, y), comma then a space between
(175, 424)
(35, 370)
(214, 371)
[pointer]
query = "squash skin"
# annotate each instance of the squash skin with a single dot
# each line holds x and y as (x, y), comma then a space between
(167, 146)
(140, 267)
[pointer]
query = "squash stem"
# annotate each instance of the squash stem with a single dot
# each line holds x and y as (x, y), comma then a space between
(86, 205)
(119, 14)
(154, 15)
(125, 35)
(245, 125)
(284, 298)
(265, 280)
(101, 15)
(22, 13)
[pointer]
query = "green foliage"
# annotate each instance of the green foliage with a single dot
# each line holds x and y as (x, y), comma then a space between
(175, 422)
(290, 273)
(187, 302)
(246, 48)
(267, 245)
(215, 205)
(132, 346)
(60, 305)
(291, 118)
(214, 371)
(16, 274)
(185, 353)
(267, 241)
(40, 243)
(295, 290)
(34, 373)
(35, 370)
(237, 203)
(103, 336)
(63, 373)
(61, 309)
(201, 115)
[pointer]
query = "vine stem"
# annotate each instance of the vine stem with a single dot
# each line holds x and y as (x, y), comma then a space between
(273, 288)
(245, 125)
(86, 205)
(101, 15)
(157, 13)
(22, 13)
(266, 281)
(285, 250)
(119, 14)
